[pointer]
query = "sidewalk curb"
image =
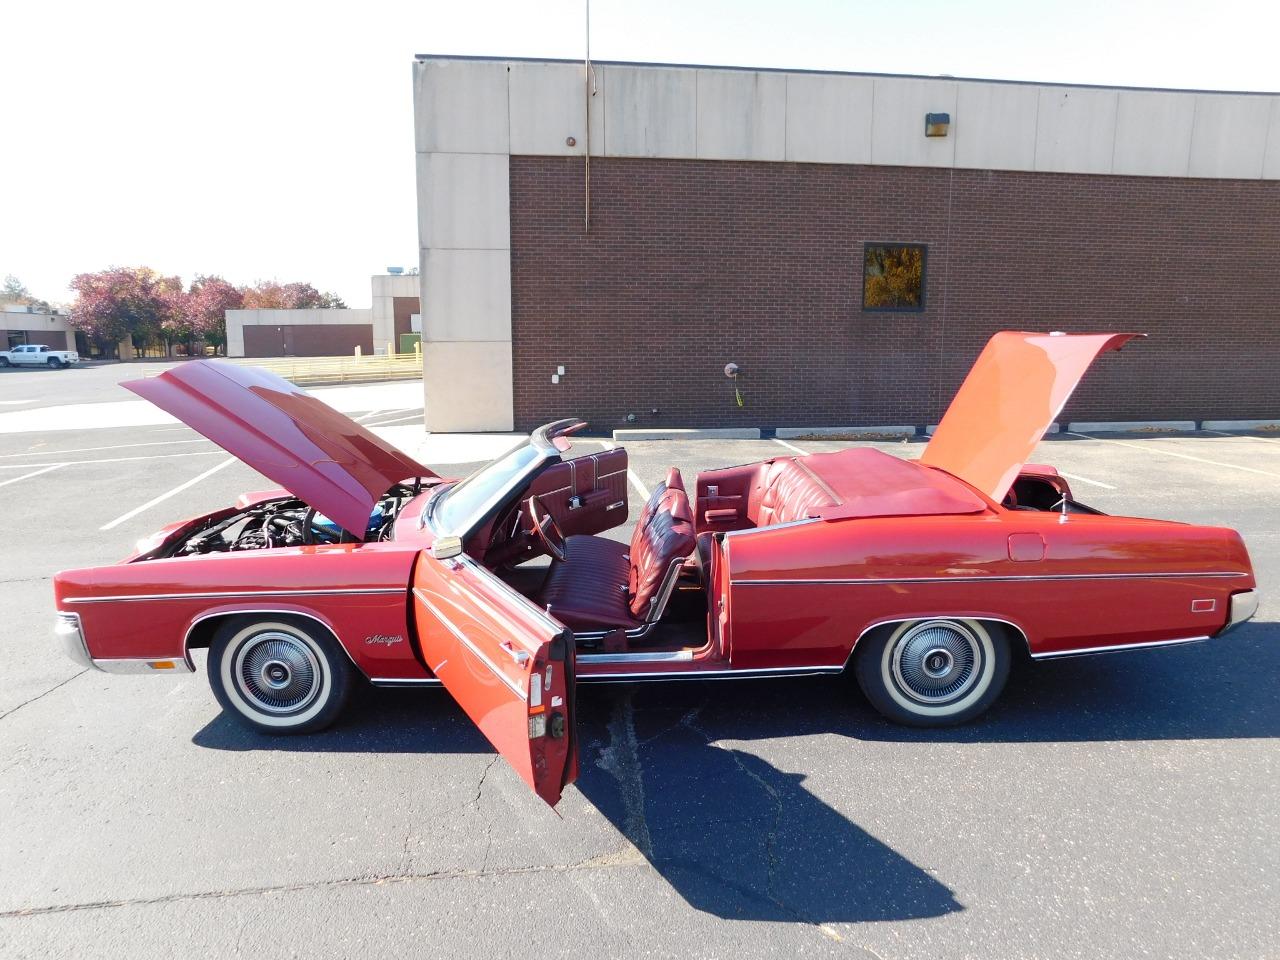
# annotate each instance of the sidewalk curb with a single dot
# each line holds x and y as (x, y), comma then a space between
(844, 433)
(1240, 425)
(706, 433)
(1132, 426)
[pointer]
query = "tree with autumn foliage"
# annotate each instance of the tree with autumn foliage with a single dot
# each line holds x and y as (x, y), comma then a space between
(133, 302)
(274, 295)
(207, 304)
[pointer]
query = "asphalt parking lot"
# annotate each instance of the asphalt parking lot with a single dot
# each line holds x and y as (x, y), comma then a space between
(1115, 806)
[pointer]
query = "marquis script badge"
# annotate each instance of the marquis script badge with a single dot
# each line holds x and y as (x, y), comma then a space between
(384, 639)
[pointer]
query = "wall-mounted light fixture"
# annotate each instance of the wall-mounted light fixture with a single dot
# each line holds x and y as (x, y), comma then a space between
(936, 124)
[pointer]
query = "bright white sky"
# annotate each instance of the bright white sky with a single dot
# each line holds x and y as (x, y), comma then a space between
(275, 139)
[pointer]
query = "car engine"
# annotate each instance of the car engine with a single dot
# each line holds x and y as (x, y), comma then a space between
(286, 522)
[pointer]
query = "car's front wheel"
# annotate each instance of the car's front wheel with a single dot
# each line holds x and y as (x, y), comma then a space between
(4, 361)
(934, 672)
(279, 674)
(54, 363)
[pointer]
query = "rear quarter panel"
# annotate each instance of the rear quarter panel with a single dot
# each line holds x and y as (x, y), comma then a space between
(802, 595)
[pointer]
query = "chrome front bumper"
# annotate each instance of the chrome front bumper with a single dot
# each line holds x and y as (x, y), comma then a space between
(1243, 606)
(68, 629)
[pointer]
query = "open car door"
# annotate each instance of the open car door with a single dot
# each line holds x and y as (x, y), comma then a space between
(508, 664)
(587, 494)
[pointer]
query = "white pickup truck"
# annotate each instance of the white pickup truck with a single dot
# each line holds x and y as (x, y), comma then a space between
(37, 354)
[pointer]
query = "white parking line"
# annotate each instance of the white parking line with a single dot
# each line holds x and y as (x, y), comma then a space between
(114, 446)
(33, 473)
(73, 463)
(165, 496)
(1096, 483)
(1171, 453)
(9, 403)
(791, 446)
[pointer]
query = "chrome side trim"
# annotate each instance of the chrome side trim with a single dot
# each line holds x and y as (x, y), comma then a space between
(139, 665)
(677, 656)
(186, 637)
(239, 594)
(993, 578)
(1243, 606)
(406, 681)
(941, 616)
(743, 531)
(68, 629)
(760, 673)
(466, 641)
(1115, 648)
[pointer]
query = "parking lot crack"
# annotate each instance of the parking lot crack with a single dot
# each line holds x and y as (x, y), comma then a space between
(612, 861)
(621, 759)
(41, 696)
(488, 820)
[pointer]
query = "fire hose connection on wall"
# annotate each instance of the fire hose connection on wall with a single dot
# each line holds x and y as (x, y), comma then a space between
(731, 370)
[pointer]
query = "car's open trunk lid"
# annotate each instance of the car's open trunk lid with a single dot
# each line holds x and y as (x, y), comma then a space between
(1013, 394)
(319, 455)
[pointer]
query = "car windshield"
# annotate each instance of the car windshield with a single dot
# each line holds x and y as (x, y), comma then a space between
(460, 507)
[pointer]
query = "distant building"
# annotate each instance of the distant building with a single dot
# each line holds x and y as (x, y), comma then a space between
(20, 323)
(850, 240)
(388, 324)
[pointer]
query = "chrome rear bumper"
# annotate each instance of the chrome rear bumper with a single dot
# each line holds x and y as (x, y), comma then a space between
(1243, 606)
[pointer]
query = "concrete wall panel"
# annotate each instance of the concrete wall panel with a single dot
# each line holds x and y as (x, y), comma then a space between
(468, 385)
(829, 118)
(995, 126)
(1075, 130)
(460, 106)
(1271, 159)
(741, 115)
(1153, 133)
(650, 112)
(468, 295)
(897, 129)
(1229, 138)
(547, 103)
(463, 200)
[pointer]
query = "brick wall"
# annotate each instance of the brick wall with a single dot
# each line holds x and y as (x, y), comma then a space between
(692, 264)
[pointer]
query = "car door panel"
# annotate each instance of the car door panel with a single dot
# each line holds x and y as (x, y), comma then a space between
(586, 494)
(508, 664)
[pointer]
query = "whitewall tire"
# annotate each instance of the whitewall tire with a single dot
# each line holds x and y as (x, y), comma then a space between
(933, 672)
(279, 674)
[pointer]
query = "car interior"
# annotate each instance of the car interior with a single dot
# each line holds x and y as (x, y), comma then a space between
(651, 592)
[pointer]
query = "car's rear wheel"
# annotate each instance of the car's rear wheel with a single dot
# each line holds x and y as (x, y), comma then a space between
(934, 672)
(278, 674)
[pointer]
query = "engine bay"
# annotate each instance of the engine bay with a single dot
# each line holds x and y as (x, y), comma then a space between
(282, 522)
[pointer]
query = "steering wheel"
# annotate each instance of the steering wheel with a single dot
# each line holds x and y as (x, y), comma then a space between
(548, 530)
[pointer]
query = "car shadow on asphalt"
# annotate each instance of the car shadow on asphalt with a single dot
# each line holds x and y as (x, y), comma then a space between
(670, 765)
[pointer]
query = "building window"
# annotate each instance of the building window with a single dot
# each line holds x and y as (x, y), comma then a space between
(893, 276)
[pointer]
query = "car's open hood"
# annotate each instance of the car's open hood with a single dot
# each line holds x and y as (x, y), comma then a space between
(1012, 395)
(318, 454)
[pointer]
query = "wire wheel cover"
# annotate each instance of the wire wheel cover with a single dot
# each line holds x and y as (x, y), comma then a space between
(937, 661)
(277, 672)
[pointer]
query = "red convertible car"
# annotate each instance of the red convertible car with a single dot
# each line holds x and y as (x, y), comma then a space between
(922, 576)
